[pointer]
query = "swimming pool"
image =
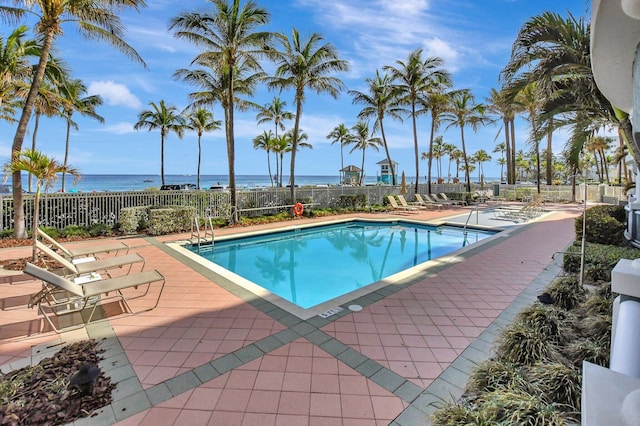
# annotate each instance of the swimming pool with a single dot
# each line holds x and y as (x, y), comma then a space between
(310, 266)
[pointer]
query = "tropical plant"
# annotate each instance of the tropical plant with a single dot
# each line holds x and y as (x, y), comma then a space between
(201, 120)
(264, 141)
(96, 20)
(275, 112)
(412, 79)
(167, 119)
(481, 156)
(72, 92)
(437, 152)
(465, 112)
(502, 104)
(379, 101)
(363, 139)
(45, 170)
(231, 47)
(305, 64)
(501, 148)
(340, 134)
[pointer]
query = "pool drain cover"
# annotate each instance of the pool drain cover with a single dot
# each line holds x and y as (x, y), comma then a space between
(330, 312)
(355, 308)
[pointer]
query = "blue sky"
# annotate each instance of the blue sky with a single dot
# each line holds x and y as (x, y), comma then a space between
(473, 37)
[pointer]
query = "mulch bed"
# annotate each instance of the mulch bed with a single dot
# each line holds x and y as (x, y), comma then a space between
(19, 264)
(43, 395)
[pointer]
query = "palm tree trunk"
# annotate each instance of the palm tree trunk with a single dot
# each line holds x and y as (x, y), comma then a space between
(269, 166)
(466, 163)
(513, 150)
(34, 225)
(415, 144)
(430, 156)
(507, 144)
(66, 151)
(199, 155)
(162, 156)
(36, 124)
(386, 151)
(294, 148)
(550, 153)
(362, 172)
(538, 169)
(19, 230)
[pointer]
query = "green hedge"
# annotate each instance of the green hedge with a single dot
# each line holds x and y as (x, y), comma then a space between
(599, 260)
(133, 219)
(167, 220)
(353, 201)
(605, 225)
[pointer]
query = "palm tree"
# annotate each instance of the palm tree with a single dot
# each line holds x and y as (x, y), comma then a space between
(95, 20)
(275, 112)
(379, 101)
(265, 142)
(281, 145)
(501, 148)
(201, 120)
(450, 150)
(362, 140)
(45, 170)
(480, 157)
(301, 64)
(72, 93)
(530, 98)
(437, 152)
(165, 118)
(502, 104)
(230, 45)
(340, 134)
(465, 112)
(436, 103)
(413, 78)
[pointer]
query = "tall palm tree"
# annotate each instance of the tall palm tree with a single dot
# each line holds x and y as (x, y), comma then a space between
(531, 100)
(230, 41)
(340, 134)
(201, 120)
(436, 102)
(73, 92)
(437, 152)
(362, 140)
(45, 170)
(305, 64)
(501, 148)
(96, 20)
(412, 79)
(502, 104)
(449, 150)
(264, 141)
(379, 101)
(48, 103)
(481, 156)
(165, 118)
(275, 112)
(281, 145)
(465, 112)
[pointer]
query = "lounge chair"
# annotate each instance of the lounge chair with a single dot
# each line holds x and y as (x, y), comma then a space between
(428, 202)
(444, 197)
(528, 211)
(82, 267)
(73, 253)
(404, 203)
(60, 296)
(396, 206)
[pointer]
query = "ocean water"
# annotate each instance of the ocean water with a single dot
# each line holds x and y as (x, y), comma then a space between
(100, 183)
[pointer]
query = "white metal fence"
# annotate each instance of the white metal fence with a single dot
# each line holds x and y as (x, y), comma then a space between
(85, 209)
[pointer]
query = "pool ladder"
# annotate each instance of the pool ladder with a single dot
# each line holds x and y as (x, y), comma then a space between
(196, 237)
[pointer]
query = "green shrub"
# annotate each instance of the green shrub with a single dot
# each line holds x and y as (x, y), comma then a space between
(133, 219)
(566, 292)
(50, 231)
(457, 414)
(521, 343)
(605, 225)
(100, 230)
(547, 319)
(167, 220)
(557, 383)
(7, 233)
(75, 231)
(518, 408)
(599, 260)
(357, 201)
(594, 351)
(495, 374)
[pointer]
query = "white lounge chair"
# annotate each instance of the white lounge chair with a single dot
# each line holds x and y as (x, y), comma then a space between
(61, 297)
(81, 266)
(73, 253)
(442, 196)
(396, 206)
(428, 202)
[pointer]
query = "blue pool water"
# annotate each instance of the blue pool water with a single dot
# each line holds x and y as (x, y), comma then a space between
(310, 266)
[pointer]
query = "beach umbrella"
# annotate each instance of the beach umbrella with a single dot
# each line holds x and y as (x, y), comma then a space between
(403, 184)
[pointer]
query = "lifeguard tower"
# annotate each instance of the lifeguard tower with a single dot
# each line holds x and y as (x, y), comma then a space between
(385, 177)
(350, 175)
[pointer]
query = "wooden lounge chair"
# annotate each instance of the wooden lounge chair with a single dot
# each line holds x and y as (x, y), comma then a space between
(81, 267)
(73, 253)
(405, 204)
(396, 206)
(61, 297)
(428, 202)
(442, 196)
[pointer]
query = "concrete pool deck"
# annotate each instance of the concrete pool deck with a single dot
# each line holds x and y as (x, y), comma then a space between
(214, 353)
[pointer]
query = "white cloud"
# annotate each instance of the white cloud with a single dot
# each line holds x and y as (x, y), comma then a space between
(121, 128)
(114, 94)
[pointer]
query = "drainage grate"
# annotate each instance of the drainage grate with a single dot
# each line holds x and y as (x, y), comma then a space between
(330, 312)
